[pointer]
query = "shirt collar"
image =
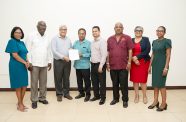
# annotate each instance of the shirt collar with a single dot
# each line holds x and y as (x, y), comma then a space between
(62, 37)
(38, 34)
(122, 35)
(98, 39)
(82, 41)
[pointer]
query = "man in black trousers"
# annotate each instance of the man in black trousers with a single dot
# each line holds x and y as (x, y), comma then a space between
(98, 66)
(82, 65)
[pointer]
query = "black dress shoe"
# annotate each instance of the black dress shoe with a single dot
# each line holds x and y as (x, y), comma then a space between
(59, 98)
(152, 106)
(102, 101)
(68, 97)
(114, 102)
(34, 105)
(125, 104)
(80, 96)
(94, 99)
(44, 101)
(87, 98)
(162, 109)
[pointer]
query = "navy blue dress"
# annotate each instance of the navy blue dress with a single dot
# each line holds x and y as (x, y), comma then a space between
(17, 70)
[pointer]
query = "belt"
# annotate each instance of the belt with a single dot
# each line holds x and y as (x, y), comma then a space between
(95, 63)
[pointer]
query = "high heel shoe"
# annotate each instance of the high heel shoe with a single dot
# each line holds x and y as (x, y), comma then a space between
(152, 106)
(162, 109)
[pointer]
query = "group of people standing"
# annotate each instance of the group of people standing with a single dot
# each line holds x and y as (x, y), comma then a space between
(119, 55)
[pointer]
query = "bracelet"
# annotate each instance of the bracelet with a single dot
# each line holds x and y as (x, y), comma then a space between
(129, 63)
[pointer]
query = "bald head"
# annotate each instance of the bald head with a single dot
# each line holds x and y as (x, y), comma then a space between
(41, 27)
(119, 24)
(118, 28)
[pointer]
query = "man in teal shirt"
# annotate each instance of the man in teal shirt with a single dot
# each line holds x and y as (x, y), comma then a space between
(82, 65)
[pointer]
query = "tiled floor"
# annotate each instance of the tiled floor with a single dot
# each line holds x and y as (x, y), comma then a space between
(79, 111)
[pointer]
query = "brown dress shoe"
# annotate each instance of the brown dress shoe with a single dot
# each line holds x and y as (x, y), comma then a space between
(68, 97)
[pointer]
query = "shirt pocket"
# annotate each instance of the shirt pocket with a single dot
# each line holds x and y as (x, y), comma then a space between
(84, 49)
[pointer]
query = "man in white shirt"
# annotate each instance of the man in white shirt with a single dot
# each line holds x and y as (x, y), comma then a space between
(98, 66)
(40, 57)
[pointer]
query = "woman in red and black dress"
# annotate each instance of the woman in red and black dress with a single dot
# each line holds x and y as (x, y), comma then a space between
(140, 63)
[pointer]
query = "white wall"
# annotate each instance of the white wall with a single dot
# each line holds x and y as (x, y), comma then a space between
(87, 13)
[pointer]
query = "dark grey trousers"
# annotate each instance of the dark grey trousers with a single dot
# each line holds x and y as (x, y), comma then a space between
(61, 77)
(38, 75)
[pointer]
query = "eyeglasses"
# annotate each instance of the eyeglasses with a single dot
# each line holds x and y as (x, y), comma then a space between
(17, 32)
(138, 31)
(160, 31)
(63, 29)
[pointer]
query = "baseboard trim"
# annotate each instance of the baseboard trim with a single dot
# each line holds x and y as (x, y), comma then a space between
(108, 88)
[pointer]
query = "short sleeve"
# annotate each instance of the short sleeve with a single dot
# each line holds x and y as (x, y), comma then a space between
(26, 50)
(153, 43)
(74, 45)
(168, 44)
(130, 44)
(108, 45)
(12, 46)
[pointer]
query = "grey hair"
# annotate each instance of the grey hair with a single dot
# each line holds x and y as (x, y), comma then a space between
(139, 28)
(61, 26)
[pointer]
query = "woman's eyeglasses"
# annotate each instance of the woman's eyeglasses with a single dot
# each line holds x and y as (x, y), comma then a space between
(138, 31)
(160, 31)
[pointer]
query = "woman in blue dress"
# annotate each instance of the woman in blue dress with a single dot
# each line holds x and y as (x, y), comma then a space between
(18, 65)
